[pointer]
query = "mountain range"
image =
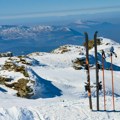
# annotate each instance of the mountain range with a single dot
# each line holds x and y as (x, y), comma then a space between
(24, 39)
(21, 39)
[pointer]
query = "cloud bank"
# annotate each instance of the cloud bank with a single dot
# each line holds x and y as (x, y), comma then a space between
(61, 12)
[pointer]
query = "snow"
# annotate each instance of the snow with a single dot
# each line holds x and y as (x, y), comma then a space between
(23, 32)
(41, 28)
(59, 89)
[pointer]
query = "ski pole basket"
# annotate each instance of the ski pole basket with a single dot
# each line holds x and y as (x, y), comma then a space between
(100, 85)
(87, 87)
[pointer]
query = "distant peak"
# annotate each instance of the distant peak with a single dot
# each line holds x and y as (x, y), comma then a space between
(78, 22)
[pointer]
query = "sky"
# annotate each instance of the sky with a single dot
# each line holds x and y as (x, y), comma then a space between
(14, 10)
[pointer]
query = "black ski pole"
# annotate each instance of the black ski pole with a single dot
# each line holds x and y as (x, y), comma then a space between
(103, 57)
(88, 72)
(97, 71)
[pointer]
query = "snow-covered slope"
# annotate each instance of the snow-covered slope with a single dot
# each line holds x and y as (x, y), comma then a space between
(58, 88)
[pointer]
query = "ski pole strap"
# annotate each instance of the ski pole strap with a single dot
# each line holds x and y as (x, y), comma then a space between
(98, 65)
(111, 54)
(103, 53)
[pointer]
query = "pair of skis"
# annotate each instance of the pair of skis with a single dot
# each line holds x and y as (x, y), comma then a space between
(98, 84)
(88, 86)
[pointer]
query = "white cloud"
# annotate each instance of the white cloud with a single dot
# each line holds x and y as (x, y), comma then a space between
(62, 12)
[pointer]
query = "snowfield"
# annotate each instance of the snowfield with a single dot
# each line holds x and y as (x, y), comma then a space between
(59, 92)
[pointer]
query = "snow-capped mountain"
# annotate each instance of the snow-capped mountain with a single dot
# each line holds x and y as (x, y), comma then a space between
(86, 23)
(21, 39)
(26, 39)
(106, 29)
(54, 88)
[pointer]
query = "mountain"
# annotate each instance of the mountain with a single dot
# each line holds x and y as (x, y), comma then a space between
(26, 39)
(106, 29)
(46, 86)
(21, 39)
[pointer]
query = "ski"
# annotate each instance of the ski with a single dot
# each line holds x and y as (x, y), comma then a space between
(97, 70)
(87, 86)
(104, 92)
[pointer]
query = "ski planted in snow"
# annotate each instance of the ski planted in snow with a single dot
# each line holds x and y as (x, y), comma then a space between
(104, 92)
(87, 86)
(97, 70)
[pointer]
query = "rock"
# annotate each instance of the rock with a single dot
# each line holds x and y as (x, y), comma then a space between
(7, 54)
(23, 90)
(4, 79)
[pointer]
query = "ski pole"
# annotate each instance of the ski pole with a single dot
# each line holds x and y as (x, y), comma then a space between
(112, 84)
(103, 57)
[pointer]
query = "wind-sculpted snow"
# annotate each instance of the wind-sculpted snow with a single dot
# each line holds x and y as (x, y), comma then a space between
(19, 114)
(44, 88)
(59, 92)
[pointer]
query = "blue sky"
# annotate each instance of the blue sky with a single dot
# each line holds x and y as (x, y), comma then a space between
(20, 9)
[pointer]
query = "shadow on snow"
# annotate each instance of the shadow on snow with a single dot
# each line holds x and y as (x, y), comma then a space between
(107, 111)
(107, 65)
(2, 90)
(44, 88)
